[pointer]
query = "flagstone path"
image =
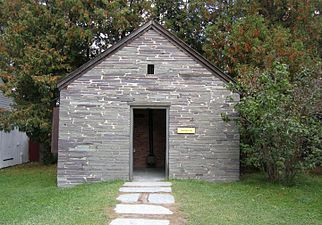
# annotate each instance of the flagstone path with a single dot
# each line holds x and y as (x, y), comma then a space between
(145, 203)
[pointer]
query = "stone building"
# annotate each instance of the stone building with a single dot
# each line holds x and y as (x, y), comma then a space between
(149, 106)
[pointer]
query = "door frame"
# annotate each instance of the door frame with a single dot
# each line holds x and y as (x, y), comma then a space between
(166, 108)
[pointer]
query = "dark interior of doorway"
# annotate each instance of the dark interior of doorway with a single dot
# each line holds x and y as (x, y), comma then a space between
(149, 144)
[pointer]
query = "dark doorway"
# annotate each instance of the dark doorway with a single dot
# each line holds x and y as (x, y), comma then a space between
(149, 144)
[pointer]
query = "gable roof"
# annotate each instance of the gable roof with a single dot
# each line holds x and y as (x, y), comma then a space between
(147, 26)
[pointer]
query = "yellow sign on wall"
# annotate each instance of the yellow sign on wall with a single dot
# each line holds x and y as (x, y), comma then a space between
(186, 130)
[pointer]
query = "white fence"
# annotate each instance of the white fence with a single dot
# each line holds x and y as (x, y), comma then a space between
(13, 148)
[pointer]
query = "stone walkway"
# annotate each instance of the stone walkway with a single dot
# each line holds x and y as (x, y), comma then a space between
(145, 203)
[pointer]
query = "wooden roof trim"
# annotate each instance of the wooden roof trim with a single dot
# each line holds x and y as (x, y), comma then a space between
(149, 25)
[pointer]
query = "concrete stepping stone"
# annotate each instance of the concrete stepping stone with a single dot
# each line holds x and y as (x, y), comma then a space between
(129, 198)
(145, 189)
(147, 184)
(161, 199)
(123, 221)
(142, 209)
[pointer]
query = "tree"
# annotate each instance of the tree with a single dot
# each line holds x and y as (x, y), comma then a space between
(302, 17)
(282, 135)
(41, 41)
(280, 109)
(188, 19)
(250, 42)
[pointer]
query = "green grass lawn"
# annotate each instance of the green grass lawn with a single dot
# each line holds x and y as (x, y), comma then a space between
(251, 201)
(28, 195)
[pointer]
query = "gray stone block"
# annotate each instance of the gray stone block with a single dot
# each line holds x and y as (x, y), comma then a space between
(126, 221)
(142, 209)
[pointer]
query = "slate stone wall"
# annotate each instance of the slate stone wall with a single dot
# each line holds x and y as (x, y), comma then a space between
(94, 128)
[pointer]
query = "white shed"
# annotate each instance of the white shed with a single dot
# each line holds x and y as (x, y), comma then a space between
(13, 148)
(14, 144)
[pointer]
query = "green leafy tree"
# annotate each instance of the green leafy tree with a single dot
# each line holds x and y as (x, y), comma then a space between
(41, 41)
(302, 17)
(281, 134)
(188, 19)
(251, 42)
(280, 108)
